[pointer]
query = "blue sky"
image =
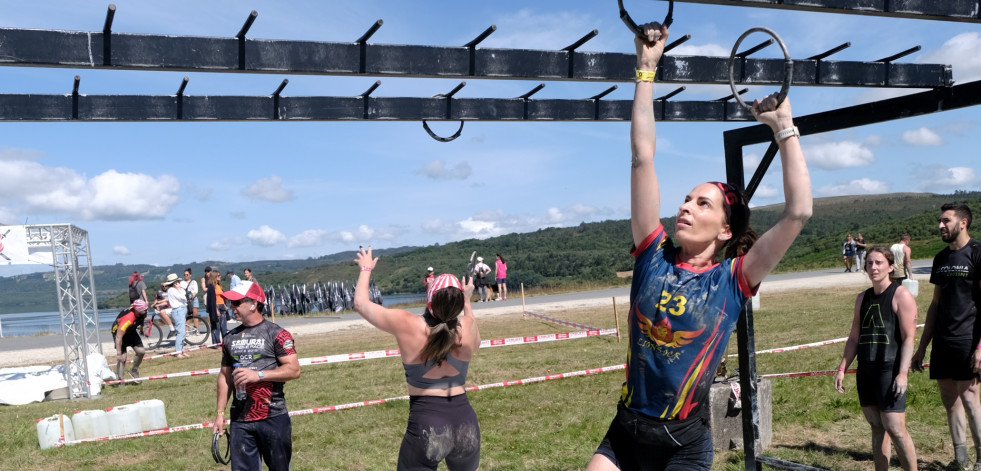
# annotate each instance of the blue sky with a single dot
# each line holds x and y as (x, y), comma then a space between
(165, 193)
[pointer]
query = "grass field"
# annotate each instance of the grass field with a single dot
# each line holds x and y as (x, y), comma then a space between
(551, 425)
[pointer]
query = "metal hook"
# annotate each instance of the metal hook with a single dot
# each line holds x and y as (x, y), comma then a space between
(625, 17)
(603, 93)
(673, 93)
(677, 43)
(788, 65)
(370, 89)
(248, 24)
(374, 27)
(110, 14)
(590, 35)
(180, 91)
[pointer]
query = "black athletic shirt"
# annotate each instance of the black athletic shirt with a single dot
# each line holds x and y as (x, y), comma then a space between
(258, 348)
(956, 273)
(878, 336)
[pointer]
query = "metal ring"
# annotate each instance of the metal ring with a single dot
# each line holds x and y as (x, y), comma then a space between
(216, 453)
(788, 66)
(625, 17)
(439, 138)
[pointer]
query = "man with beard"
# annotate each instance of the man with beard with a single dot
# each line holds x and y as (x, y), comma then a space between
(951, 322)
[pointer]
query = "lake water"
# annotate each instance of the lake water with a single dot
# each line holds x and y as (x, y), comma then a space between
(31, 323)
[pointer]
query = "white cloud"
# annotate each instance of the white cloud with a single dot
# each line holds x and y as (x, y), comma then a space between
(836, 155)
(873, 140)
(120, 250)
(766, 191)
(860, 186)
(109, 196)
(269, 189)
(307, 238)
(438, 170)
(7, 216)
(922, 137)
(940, 178)
(225, 244)
(961, 52)
(479, 229)
(700, 50)
(265, 236)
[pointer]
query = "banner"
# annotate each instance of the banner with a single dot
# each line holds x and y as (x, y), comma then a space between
(14, 249)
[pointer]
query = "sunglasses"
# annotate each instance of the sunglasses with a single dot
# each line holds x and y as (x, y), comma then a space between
(237, 302)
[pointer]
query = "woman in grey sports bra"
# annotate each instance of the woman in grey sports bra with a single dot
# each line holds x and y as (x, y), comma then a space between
(436, 349)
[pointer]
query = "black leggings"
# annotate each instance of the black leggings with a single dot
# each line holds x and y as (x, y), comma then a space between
(440, 428)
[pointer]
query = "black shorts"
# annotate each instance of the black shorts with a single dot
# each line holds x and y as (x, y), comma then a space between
(440, 428)
(874, 384)
(635, 441)
(131, 339)
(951, 359)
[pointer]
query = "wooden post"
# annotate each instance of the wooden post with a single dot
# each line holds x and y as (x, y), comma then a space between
(522, 298)
(616, 316)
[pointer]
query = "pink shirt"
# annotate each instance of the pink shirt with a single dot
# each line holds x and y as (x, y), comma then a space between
(502, 270)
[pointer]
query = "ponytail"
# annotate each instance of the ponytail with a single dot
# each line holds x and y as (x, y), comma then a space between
(443, 321)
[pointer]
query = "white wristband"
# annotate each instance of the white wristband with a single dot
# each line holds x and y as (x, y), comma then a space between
(785, 133)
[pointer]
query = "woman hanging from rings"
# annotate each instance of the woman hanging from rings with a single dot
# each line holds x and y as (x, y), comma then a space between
(684, 303)
(436, 350)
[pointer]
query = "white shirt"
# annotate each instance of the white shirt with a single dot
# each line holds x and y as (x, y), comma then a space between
(175, 296)
(193, 284)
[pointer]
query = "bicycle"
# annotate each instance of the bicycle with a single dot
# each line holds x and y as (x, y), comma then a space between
(152, 331)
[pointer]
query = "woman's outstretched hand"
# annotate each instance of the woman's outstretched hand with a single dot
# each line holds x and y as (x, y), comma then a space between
(364, 260)
(767, 112)
(650, 48)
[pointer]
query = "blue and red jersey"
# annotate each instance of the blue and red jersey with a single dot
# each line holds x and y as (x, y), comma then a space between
(680, 321)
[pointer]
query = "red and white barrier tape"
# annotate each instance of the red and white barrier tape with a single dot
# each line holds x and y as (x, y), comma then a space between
(354, 404)
(812, 373)
(390, 353)
(186, 349)
(560, 321)
(806, 345)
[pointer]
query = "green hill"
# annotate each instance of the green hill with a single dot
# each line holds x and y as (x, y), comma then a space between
(587, 255)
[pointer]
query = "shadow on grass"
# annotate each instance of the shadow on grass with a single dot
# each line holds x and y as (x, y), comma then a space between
(854, 455)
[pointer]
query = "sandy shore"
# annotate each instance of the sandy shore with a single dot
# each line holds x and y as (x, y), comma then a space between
(539, 305)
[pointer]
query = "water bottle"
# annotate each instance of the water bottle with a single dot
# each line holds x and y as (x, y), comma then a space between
(240, 393)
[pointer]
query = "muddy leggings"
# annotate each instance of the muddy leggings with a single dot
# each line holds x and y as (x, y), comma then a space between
(440, 428)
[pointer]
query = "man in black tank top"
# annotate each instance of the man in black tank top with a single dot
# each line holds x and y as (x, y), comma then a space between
(951, 325)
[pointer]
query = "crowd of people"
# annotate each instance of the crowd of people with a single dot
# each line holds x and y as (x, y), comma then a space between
(686, 295)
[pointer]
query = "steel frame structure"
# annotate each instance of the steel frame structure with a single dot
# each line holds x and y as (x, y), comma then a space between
(238, 54)
(77, 304)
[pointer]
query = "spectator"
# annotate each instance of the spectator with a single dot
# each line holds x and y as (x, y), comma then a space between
(860, 246)
(428, 278)
(124, 334)
(248, 275)
(901, 252)
(436, 350)
(882, 338)
(481, 270)
(190, 287)
(137, 288)
(234, 280)
(848, 253)
(178, 311)
(951, 324)
(501, 274)
(216, 308)
(683, 303)
(259, 356)
(162, 306)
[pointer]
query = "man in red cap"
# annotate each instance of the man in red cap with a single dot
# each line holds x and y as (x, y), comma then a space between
(259, 357)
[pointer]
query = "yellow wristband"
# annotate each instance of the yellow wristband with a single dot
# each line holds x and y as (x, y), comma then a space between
(221, 412)
(646, 75)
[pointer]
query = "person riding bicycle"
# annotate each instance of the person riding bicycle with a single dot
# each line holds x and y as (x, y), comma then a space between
(125, 335)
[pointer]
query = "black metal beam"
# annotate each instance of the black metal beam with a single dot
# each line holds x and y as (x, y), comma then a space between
(82, 49)
(80, 107)
(931, 101)
(945, 10)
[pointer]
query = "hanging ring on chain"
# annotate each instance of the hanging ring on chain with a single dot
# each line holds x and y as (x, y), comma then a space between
(440, 138)
(788, 66)
(216, 453)
(625, 17)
